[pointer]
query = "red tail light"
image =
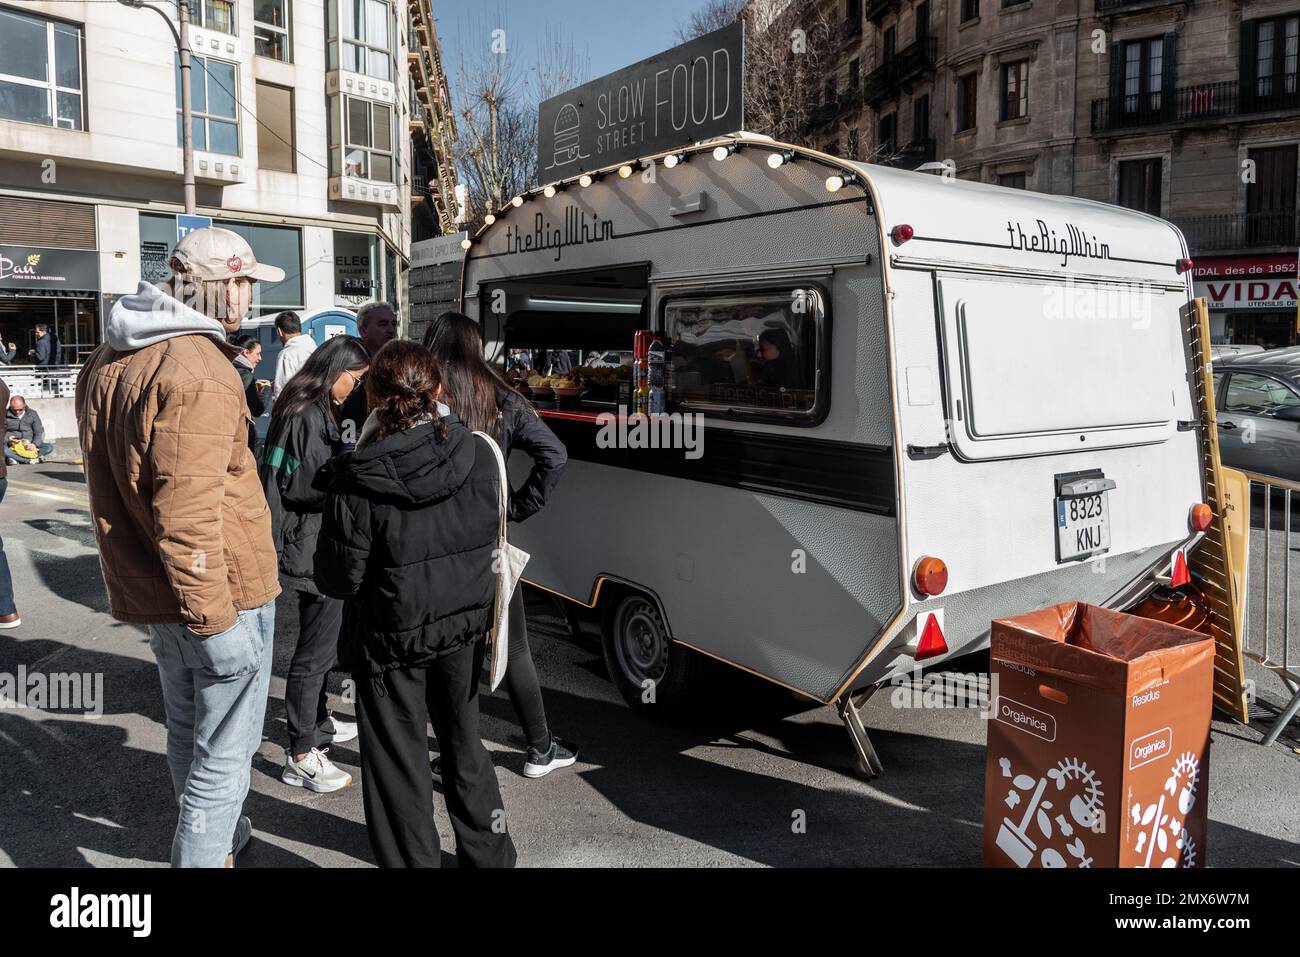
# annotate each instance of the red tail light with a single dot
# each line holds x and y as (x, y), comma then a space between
(1184, 265)
(931, 643)
(902, 233)
(930, 576)
(1201, 516)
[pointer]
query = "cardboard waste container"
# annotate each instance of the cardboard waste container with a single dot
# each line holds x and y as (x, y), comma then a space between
(1098, 745)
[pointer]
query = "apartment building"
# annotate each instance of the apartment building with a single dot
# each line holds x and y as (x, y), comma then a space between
(1187, 109)
(301, 119)
(436, 201)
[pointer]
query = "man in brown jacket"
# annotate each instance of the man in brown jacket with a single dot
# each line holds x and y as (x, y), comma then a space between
(183, 528)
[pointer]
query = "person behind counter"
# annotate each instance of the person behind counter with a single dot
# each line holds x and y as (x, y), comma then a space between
(474, 391)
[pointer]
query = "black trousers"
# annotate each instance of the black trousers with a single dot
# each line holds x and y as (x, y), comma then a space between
(315, 654)
(394, 710)
(521, 678)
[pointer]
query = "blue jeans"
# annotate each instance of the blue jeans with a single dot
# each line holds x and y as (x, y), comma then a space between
(45, 448)
(214, 693)
(7, 606)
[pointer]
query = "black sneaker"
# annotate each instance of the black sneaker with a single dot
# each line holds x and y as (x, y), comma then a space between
(436, 767)
(559, 755)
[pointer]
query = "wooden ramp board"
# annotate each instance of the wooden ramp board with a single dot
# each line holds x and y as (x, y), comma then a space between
(1220, 558)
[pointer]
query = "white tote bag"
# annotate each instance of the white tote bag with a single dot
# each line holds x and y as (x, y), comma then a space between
(508, 562)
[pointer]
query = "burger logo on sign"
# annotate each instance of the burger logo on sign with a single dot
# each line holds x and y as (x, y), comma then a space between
(234, 264)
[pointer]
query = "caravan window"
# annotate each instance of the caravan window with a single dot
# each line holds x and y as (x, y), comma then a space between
(747, 354)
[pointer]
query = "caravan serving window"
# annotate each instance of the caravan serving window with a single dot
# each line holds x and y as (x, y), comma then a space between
(749, 354)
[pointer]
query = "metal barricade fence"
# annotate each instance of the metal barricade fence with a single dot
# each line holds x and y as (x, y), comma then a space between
(41, 382)
(1269, 638)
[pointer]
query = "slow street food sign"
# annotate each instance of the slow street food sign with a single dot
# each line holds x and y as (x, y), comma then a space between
(689, 93)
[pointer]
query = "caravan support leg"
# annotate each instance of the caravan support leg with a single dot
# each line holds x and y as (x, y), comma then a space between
(850, 705)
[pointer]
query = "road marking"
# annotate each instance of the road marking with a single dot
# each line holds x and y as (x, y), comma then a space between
(45, 491)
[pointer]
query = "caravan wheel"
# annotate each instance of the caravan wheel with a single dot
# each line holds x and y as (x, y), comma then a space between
(646, 667)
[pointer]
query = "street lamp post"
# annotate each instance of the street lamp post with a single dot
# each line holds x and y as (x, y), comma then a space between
(182, 37)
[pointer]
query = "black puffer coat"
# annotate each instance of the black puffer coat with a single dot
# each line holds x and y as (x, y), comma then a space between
(295, 449)
(409, 531)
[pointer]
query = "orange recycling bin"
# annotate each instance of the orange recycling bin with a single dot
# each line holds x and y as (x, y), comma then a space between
(1098, 741)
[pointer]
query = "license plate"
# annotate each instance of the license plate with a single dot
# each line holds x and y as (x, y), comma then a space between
(1082, 526)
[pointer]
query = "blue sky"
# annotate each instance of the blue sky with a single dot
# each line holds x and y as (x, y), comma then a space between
(612, 33)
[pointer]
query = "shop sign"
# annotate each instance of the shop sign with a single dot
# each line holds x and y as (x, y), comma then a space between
(1247, 282)
(40, 269)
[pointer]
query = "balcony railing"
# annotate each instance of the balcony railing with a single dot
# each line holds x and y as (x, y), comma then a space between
(1239, 230)
(876, 9)
(1116, 6)
(1189, 104)
(908, 63)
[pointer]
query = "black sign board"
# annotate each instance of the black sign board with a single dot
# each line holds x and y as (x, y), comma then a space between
(689, 93)
(41, 269)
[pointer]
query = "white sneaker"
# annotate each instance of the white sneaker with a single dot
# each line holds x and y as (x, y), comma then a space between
(340, 731)
(314, 772)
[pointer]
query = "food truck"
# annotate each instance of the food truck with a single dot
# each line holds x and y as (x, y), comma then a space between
(898, 405)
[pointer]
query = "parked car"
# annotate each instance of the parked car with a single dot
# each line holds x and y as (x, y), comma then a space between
(1223, 350)
(1258, 399)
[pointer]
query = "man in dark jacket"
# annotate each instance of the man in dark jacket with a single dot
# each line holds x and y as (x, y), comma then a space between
(23, 424)
(409, 534)
(46, 351)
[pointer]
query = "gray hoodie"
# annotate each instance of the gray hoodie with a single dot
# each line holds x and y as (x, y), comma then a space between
(149, 315)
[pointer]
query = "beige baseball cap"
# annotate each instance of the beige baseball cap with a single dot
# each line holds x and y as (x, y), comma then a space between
(216, 253)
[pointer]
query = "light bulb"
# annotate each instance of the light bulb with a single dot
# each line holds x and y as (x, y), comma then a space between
(466, 243)
(517, 202)
(489, 219)
(585, 180)
(625, 171)
(671, 160)
(774, 160)
(833, 183)
(548, 192)
(720, 153)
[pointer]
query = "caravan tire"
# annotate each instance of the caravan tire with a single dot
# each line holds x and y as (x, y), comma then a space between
(649, 670)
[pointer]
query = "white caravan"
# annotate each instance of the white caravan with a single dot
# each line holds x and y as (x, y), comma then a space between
(901, 378)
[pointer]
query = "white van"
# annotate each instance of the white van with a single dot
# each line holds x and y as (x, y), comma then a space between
(891, 368)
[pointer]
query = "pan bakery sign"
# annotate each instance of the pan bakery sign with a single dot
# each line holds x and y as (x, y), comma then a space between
(1069, 241)
(35, 267)
(689, 93)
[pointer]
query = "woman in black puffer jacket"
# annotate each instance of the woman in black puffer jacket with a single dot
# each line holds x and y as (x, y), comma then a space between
(484, 402)
(409, 534)
(302, 437)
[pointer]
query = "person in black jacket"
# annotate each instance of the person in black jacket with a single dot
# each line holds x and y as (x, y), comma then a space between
(409, 537)
(302, 437)
(473, 390)
(250, 354)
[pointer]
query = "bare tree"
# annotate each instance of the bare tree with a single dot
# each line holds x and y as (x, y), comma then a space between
(789, 48)
(497, 149)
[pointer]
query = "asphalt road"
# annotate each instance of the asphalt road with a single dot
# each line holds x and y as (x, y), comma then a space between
(728, 788)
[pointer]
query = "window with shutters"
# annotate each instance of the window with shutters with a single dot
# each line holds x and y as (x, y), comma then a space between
(966, 101)
(888, 44)
(1015, 90)
(922, 20)
(1274, 58)
(921, 118)
(1139, 185)
(1142, 81)
(887, 135)
(970, 10)
(1271, 198)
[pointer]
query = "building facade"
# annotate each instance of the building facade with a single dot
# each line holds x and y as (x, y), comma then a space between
(1186, 109)
(301, 119)
(436, 204)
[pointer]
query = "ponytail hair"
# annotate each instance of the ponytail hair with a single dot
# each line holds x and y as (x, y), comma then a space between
(402, 387)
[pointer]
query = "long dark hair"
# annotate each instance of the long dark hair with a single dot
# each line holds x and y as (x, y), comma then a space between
(402, 388)
(470, 386)
(312, 384)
